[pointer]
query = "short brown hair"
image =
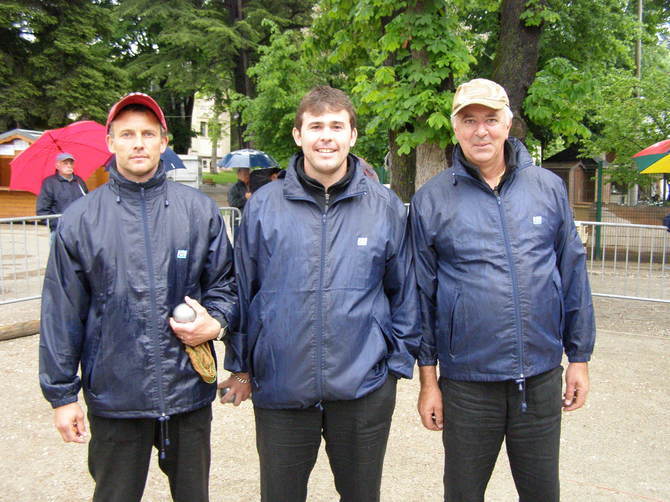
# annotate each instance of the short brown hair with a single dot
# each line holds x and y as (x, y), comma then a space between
(324, 98)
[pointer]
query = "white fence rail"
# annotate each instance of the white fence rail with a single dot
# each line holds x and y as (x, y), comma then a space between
(24, 250)
(627, 261)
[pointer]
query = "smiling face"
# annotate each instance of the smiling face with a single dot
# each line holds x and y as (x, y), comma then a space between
(325, 140)
(135, 137)
(481, 132)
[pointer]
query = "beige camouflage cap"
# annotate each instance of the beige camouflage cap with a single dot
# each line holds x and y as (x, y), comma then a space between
(479, 91)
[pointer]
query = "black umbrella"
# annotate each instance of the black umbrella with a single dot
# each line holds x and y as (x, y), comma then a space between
(247, 158)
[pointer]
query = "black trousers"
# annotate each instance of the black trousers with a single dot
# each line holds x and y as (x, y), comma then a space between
(119, 454)
(479, 415)
(356, 433)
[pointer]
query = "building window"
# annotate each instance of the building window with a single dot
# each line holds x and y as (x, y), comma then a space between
(203, 128)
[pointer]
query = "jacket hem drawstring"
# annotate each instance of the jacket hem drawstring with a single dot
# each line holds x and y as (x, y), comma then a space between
(521, 382)
(165, 440)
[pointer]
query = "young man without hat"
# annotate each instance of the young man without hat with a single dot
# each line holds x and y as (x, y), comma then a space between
(123, 258)
(504, 294)
(329, 319)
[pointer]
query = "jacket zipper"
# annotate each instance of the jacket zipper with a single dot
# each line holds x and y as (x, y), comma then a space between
(322, 267)
(515, 287)
(322, 272)
(152, 289)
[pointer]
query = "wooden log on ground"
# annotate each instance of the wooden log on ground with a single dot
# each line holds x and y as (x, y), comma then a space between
(19, 329)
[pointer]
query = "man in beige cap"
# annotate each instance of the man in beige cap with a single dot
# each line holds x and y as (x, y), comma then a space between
(504, 292)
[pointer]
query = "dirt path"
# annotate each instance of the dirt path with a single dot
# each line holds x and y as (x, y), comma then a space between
(617, 449)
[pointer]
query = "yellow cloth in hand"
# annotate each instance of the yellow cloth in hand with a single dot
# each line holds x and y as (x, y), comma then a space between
(203, 361)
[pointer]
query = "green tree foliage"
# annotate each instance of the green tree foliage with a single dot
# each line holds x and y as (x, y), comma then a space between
(56, 63)
(415, 50)
(186, 46)
(628, 115)
(288, 68)
(281, 77)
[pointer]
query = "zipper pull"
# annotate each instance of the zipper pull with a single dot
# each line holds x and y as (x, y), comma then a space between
(497, 194)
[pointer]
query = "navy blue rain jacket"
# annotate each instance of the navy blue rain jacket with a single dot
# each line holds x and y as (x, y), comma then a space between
(328, 300)
(123, 258)
(502, 277)
(56, 195)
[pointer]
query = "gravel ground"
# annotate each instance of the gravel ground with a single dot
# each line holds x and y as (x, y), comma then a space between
(616, 449)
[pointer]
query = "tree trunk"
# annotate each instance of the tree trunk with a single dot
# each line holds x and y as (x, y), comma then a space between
(243, 84)
(430, 160)
(516, 59)
(403, 170)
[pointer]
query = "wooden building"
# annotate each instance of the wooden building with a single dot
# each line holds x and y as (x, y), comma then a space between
(579, 175)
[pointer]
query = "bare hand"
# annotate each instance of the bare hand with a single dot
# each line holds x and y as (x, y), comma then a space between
(430, 400)
(69, 420)
(203, 329)
(242, 391)
(430, 408)
(576, 386)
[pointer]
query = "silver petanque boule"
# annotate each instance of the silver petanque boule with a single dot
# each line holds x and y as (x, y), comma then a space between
(183, 313)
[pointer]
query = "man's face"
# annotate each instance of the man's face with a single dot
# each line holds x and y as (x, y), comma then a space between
(243, 174)
(481, 132)
(135, 138)
(65, 168)
(325, 141)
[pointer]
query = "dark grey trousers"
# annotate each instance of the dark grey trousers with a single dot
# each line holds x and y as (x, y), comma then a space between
(120, 449)
(356, 433)
(479, 415)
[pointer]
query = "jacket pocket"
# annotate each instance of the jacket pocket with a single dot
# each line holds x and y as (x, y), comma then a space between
(386, 337)
(561, 307)
(93, 350)
(453, 335)
(256, 345)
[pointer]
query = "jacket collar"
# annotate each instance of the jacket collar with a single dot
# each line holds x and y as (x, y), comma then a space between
(293, 188)
(132, 189)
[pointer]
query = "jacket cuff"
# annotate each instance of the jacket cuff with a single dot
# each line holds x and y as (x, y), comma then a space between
(63, 402)
(579, 358)
(432, 361)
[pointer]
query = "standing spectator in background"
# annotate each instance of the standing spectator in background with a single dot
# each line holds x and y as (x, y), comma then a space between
(666, 221)
(60, 189)
(240, 192)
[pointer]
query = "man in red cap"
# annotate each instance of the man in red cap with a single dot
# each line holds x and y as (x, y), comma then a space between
(122, 259)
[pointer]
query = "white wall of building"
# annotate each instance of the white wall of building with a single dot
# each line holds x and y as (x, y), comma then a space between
(201, 146)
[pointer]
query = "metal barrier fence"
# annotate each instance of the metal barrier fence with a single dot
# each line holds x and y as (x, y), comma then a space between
(24, 250)
(627, 261)
(624, 261)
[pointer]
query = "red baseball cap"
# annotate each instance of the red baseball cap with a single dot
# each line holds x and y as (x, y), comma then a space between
(136, 98)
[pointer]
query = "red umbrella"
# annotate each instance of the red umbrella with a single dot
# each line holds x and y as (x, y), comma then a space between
(85, 140)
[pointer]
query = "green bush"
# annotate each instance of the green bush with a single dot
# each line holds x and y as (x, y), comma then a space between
(221, 177)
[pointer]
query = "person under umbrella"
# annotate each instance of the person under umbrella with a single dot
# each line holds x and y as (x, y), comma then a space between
(60, 189)
(240, 192)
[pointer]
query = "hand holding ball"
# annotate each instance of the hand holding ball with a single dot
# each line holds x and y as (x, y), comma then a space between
(183, 313)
